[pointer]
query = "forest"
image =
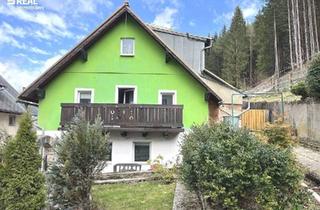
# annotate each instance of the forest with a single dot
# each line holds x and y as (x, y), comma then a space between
(283, 37)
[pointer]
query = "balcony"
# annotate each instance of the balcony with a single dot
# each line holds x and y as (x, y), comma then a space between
(128, 117)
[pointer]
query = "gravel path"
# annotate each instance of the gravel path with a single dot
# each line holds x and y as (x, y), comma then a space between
(183, 199)
(309, 159)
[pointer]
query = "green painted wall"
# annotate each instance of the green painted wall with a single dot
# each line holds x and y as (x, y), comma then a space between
(105, 69)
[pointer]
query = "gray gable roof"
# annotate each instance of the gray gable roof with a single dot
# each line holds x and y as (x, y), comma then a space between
(8, 98)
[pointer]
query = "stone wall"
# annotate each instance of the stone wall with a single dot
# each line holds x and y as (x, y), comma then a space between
(303, 116)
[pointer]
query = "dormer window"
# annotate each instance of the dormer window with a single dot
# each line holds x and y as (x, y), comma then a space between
(127, 47)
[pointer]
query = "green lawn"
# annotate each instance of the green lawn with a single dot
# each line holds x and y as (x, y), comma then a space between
(142, 196)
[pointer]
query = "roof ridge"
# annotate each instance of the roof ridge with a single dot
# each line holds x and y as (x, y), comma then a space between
(30, 94)
(70, 51)
(8, 86)
(8, 98)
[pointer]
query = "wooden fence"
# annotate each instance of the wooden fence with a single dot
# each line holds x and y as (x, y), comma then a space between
(255, 119)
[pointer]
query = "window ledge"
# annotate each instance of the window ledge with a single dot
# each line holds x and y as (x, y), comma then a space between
(142, 162)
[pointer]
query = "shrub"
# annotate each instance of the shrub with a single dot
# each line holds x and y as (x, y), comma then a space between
(81, 154)
(162, 172)
(23, 183)
(1, 186)
(279, 134)
(315, 62)
(313, 77)
(313, 82)
(230, 169)
(3, 139)
(300, 90)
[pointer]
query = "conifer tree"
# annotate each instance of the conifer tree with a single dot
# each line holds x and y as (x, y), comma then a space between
(81, 154)
(214, 60)
(23, 183)
(236, 53)
(3, 140)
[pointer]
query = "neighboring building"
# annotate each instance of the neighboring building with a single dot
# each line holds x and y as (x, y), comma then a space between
(10, 110)
(147, 89)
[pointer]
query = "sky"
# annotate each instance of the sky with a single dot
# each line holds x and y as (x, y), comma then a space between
(32, 38)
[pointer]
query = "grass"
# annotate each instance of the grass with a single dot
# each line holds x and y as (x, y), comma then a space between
(143, 195)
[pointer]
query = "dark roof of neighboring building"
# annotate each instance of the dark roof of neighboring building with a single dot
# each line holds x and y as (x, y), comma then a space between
(30, 93)
(8, 98)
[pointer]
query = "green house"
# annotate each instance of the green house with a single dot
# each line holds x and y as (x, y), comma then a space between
(148, 84)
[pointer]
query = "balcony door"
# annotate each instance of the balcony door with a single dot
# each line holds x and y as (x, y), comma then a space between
(126, 95)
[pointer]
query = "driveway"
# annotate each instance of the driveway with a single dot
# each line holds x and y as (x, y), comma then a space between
(309, 159)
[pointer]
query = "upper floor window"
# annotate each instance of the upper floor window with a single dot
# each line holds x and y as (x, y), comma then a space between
(127, 47)
(167, 97)
(84, 96)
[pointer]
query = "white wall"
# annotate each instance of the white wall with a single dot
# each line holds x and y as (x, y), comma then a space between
(4, 124)
(123, 147)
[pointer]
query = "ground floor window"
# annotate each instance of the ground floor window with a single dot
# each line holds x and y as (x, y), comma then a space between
(12, 120)
(141, 151)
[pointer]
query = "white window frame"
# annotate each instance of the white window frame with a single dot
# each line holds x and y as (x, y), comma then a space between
(77, 94)
(135, 92)
(133, 48)
(134, 154)
(173, 92)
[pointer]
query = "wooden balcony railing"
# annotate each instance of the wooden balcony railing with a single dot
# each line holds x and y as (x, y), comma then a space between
(130, 116)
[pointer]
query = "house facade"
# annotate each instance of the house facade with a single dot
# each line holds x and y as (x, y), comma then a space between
(10, 110)
(146, 93)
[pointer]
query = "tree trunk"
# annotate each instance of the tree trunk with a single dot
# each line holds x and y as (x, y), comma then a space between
(315, 26)
(299, 34)
(294, 18)
(306, 31)
(290, 35)
(277, 73)
(250, 70)
(312, 42)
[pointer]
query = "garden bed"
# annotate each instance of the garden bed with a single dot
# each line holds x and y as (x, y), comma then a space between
(144, 195)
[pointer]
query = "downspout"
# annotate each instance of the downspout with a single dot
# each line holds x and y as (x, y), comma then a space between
(202, 55)
(232, 106)
(41, 147)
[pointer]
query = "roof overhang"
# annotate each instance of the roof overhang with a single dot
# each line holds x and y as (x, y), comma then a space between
(30, 93)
